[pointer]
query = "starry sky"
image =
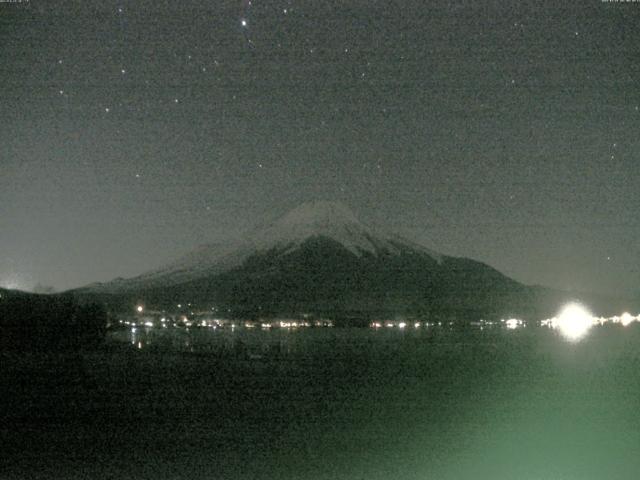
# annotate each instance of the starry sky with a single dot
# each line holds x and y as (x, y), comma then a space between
(507, 132)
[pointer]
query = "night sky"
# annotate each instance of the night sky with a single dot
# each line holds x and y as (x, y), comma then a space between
(508, 132)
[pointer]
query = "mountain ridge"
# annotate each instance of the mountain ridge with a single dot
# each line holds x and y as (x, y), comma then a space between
(320, 259)
(311, 219)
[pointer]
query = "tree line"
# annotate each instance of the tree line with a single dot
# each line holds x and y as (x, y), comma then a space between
(34, 323)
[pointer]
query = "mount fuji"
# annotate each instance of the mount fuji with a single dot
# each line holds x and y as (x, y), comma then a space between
(321, 259)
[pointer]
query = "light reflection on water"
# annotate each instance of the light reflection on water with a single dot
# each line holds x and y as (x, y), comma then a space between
(573, 323)
(486, 402)
(231, 341)
(495, 401)
(276, 343)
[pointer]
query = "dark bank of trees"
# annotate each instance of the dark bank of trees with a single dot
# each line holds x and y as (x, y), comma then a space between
(45, 323)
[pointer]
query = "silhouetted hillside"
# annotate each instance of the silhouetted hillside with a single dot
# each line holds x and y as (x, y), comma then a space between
(30, 322)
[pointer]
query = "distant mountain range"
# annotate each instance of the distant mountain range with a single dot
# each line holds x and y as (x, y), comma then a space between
(319, 259)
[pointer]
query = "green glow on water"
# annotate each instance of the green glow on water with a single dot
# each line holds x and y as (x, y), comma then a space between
(339, 404)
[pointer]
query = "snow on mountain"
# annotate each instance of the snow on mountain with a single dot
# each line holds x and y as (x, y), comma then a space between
(334, 221)
(326, 219)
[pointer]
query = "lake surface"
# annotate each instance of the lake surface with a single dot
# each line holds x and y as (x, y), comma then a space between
(329, 403)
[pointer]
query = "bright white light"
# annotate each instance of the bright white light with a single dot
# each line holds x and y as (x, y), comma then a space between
(243, 22)
(512, 323)
(574, 321)
(402, 325)
(626, 319)
(148, 324)
(139, 308)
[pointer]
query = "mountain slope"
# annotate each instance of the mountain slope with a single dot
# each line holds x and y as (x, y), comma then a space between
(319, 258)
(314, 219)
(323, 277)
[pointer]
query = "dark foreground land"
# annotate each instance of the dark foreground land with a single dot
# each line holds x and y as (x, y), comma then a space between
(331, 404)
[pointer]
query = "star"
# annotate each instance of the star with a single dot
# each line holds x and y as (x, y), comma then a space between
(244, 22)
(107, 109)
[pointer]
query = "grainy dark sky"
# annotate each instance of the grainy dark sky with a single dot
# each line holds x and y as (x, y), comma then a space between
(504, 131)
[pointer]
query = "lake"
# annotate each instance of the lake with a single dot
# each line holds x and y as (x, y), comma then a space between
(328, 403)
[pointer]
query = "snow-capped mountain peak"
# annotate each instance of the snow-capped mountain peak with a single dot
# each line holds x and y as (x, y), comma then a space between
(327, 219)
(331, 220)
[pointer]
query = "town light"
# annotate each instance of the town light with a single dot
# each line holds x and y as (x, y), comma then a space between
(512, 323)
(574, 321)
(626, 319)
